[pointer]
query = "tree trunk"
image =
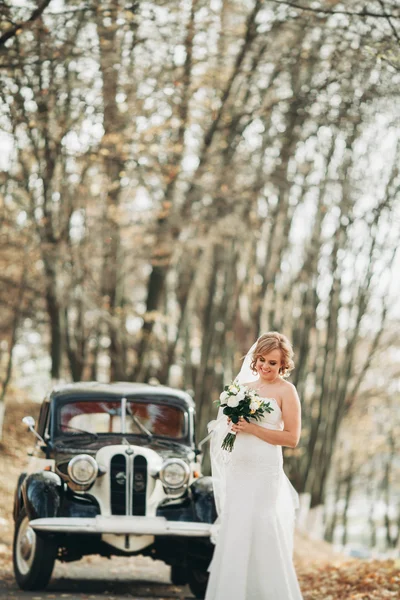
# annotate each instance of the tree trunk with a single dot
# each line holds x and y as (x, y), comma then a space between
(13, 340)
(113, 162)
(56, 325)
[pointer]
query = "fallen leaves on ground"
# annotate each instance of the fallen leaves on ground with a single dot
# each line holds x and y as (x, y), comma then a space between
(354, 580)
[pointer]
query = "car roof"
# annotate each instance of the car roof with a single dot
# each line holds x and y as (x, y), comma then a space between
(90, 389)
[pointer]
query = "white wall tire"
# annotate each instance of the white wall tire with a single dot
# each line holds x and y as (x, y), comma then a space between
(33, 557)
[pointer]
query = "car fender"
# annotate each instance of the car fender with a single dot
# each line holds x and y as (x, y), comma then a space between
(203, 500)
(18, 500)
(41, 494)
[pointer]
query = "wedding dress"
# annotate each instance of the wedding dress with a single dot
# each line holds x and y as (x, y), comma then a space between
(254, 532)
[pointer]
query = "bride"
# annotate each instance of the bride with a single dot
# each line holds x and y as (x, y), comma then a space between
(255, 501)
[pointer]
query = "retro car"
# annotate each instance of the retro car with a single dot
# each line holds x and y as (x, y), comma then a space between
(115, 471)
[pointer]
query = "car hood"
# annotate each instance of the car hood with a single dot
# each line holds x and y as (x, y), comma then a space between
(64, 448)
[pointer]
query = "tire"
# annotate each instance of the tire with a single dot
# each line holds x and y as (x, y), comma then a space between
(198, 580)
(33, 557)
(179, 575)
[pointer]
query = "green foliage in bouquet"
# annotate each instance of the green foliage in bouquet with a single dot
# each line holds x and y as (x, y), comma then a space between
(240, 401)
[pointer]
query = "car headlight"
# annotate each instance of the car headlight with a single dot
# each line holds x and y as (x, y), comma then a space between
(83, 469)
(174, 473)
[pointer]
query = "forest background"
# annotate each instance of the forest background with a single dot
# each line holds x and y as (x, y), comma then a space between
(177, 177)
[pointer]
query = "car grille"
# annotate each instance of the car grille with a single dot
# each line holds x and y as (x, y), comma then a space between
(118, 484)
(128, 484)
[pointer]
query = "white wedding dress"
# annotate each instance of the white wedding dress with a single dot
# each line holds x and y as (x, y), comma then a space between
(254, 543)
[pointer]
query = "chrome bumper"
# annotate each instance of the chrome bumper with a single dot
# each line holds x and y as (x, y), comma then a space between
(122, 526)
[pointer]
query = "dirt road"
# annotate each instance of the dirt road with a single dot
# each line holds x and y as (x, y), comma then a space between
(95, 578)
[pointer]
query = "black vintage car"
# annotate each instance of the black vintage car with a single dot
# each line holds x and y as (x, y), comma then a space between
(115, 471)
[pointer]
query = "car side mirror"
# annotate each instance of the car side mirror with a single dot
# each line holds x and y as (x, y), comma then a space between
(30, 422)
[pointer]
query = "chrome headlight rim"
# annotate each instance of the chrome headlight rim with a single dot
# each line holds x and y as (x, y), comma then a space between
(186, 474)
(93, 463)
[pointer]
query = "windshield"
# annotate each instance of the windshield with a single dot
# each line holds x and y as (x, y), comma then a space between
(104, 417)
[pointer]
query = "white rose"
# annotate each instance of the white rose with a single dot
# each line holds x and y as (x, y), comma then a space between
(233, 401)
(240, 396)
(224, 397)
(254, 405)
(233, 389)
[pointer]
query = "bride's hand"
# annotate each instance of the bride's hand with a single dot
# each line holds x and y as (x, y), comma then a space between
(242, 425)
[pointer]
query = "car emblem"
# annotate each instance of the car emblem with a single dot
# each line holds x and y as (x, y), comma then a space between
(120, 478)
(129, 451)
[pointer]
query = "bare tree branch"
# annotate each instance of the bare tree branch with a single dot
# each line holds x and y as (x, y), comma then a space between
(389, 19)
(326, 11)
(22, 24)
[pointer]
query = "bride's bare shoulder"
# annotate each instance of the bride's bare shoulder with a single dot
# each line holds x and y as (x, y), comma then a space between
(288, 390)
(286, 385)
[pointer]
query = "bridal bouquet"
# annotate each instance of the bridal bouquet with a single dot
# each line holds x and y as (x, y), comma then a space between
(241, 401)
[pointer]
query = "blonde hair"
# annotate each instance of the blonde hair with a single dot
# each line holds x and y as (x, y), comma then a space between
(273, 340)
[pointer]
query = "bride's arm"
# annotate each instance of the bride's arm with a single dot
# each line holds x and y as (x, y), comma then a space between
(291, 415)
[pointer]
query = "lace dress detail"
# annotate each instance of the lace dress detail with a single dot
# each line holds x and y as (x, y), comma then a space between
(254, 543)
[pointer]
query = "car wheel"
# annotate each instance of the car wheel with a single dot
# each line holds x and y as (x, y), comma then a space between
(179, 575)
(33, 557)
(198, 580)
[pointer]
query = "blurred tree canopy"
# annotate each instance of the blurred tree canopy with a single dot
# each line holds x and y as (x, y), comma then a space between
(178, 177)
